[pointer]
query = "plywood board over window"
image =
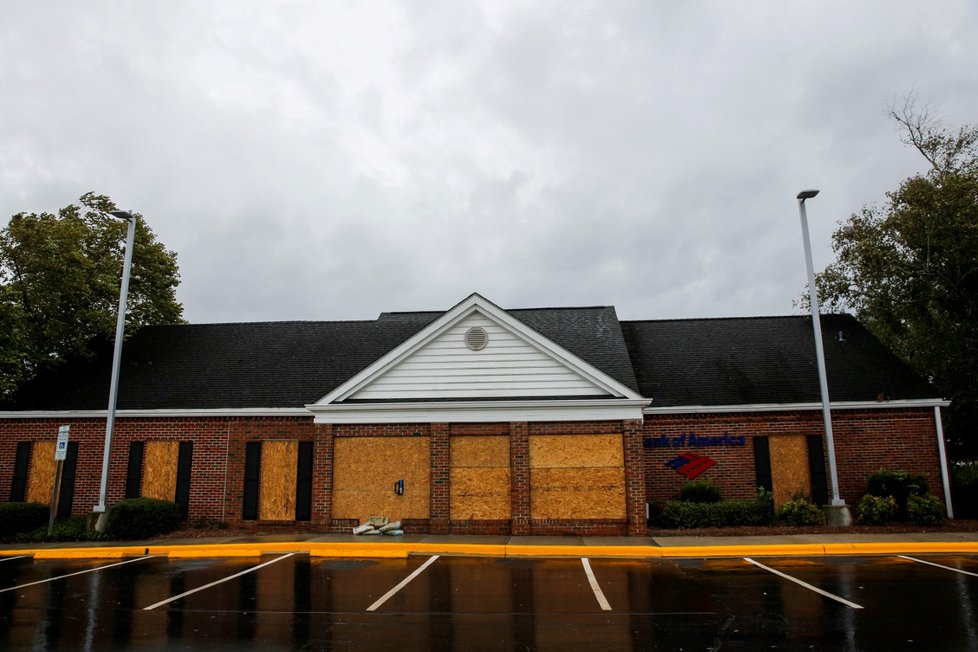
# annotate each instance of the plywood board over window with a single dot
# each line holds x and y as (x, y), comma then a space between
(365, 470)
(279, 460)
(577, 477)
(789, 467)
(480, 478)
(278, 480)
(159, 478)
(40, 478)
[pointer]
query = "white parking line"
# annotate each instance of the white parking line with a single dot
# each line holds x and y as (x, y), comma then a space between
(930, 563)
(404, 582)
(13, 558)
(90, 570)
(207, 586)
(805, 584)
(593, 581)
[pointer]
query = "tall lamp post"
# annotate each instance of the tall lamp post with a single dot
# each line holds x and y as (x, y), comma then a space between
(837, 512)
(120, 327)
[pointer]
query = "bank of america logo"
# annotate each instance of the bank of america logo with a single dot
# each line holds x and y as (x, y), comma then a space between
(691, 464)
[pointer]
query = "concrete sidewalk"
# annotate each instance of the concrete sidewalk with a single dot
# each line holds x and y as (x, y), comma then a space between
(340, 545)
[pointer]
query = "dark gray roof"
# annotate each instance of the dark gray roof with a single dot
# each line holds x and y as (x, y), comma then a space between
(759, 360)
(290, 364)
(282, 364)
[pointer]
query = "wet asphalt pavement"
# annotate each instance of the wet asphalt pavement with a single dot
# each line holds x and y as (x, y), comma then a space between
(282, 602)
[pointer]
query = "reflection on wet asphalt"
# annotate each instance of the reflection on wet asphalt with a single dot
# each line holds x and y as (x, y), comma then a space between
(484, 603)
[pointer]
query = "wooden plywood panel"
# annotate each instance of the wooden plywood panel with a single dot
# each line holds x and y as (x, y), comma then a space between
(577, 477)
(575, 451)
(160, 469)
(480, 478)
(789, 467)
(480, 451)
(480, 493)
(279, 460)
(365, 470)
(581, 493)
(40, 478)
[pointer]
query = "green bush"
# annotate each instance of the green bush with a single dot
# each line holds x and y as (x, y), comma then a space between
(22, 517)
(876, 510)
(686, 515)
(139, 518)
(699, 491)
(899, 484)
(926, 510)
(964, 490)
(70, 529)
(801, 511)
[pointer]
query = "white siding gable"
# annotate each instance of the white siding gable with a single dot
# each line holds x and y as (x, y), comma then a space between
(510, 366)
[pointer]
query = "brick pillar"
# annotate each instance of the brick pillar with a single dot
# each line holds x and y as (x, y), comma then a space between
(440, 478)
(634, 478)
(519, 473)
(322, 474)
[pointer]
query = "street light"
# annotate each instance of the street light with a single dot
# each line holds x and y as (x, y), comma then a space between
(120, 326)
(837, 507)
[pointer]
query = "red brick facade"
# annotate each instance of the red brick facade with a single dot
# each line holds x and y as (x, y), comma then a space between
(866, 440)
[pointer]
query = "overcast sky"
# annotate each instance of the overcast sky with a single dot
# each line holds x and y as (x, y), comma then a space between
(323, 160)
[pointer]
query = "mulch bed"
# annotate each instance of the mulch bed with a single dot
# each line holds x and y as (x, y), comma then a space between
(957, 525)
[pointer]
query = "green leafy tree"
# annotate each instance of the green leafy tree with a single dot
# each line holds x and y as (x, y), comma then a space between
(59, 285)
(909, 269)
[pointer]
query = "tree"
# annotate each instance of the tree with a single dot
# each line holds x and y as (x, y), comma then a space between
(909, 270)
(59, 285)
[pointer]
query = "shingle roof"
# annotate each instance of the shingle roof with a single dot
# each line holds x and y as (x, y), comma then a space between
(760, 360)
(281, 364)
(291, 364)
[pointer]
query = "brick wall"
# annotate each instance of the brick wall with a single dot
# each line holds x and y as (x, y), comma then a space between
(865, 440)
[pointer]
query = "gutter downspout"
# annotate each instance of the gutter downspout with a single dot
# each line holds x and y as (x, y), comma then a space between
(940, 448)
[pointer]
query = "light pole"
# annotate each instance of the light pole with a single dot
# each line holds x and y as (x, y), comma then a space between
(838, 512)
(120, 327)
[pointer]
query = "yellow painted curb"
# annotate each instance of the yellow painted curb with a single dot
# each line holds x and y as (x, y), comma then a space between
(394, 550)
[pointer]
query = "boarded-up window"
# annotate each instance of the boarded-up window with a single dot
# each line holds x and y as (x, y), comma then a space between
(278, 480)
(480, 477)
(577, 477)
(30, 479)
(40, 478)
(279, 460)
(789, 467)
(160, 469)
(365, 470)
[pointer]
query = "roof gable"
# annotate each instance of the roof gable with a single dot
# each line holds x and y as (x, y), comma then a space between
(517, 363)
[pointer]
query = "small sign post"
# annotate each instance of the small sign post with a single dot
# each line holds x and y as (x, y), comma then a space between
(60, 455)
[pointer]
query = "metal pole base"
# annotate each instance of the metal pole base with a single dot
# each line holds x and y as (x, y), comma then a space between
(101, 518)
(837, 515)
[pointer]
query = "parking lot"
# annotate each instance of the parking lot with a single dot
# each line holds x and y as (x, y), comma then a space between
(292, 601)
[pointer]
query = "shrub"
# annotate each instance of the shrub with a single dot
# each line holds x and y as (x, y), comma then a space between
(926, 510)
(876, 510)
(139, 518)
(964, 490)
(699, 491)
(899, 484)
(70, 529)
(686, 515)
(801, 511)
(22, 517)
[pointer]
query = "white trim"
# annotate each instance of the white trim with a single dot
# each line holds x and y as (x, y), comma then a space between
(476, 303)
(481, 411)
(151, 414)
(796, 407)
(939, 425)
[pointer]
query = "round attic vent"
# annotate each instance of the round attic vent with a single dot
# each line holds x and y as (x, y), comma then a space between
(476, 338)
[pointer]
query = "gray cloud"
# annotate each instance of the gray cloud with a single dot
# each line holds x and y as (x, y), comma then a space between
(318, 162)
